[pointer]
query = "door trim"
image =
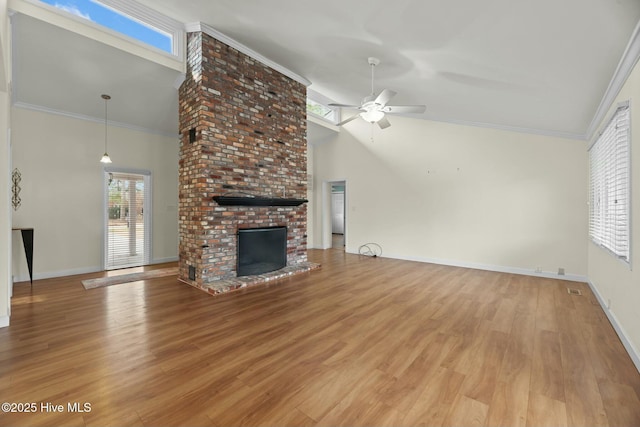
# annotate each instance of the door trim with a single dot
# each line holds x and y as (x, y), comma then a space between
(326, 237)
(147, 211)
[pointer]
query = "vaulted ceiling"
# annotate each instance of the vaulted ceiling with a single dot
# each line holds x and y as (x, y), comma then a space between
(541, 66)
(58, 70)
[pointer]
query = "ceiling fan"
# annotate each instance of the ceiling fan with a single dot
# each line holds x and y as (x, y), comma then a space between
(374, 108)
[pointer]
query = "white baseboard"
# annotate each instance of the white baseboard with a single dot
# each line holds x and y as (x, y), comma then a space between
(60, 273)
(633, 352)
(163, 260)
(317, 247)
(74, 271)
(4, 321)
(488, 267)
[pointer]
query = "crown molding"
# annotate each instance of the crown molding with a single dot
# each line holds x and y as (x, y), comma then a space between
(625, 67)
(517, 129)
(494, 126)
(201, 27)
(41, 109)
(179, 80)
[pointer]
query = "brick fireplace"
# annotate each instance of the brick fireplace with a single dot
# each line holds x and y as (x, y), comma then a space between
(243, 133)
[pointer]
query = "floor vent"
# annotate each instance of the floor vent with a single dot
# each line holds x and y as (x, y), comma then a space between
(574, 292)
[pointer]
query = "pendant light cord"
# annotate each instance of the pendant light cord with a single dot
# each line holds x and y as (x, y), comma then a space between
(105, 157)
(105, 122)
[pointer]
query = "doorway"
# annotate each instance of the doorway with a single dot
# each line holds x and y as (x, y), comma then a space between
(338, 223)
(127, 231)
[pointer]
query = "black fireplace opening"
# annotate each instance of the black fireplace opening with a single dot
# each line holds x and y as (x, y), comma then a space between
(261, 250)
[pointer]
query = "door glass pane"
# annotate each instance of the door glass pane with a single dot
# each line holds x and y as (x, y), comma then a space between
(125, 223)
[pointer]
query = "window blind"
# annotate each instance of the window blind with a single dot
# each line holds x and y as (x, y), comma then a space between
(609, 185)
(126, 243)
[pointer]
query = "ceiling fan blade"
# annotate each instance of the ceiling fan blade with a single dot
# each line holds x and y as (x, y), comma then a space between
(403, 109)
(385, 96)
(345, 106)
(384, 123)
(348, 120)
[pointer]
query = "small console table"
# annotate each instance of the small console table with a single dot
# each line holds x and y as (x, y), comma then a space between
(27, 242)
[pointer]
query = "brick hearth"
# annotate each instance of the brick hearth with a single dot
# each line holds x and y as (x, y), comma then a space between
(243, 131)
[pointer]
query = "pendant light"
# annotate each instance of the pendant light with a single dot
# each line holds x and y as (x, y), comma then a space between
(105, 156)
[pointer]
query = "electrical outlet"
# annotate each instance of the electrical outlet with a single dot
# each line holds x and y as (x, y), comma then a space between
(538, 270)
(560, 271)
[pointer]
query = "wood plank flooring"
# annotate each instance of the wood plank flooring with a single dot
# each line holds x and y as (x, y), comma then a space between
(360, 342)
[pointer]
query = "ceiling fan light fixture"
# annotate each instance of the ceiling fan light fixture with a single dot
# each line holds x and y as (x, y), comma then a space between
(374, 108)
(372, 116)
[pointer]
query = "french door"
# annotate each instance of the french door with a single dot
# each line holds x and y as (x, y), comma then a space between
(127, 225)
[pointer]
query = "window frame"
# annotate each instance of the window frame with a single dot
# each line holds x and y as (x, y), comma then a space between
(330, 111)
(135, 12)
(323, 101)
(604, 221)
(153, 19)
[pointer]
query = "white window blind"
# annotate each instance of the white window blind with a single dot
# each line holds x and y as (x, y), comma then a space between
(609, 186)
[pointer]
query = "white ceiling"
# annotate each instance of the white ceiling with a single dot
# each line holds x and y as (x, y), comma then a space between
(540, 66)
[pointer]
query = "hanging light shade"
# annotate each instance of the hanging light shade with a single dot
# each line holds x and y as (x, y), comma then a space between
(372, 116)
(105, 157)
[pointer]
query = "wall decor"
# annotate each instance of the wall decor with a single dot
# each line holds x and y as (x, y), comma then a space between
(16, 177)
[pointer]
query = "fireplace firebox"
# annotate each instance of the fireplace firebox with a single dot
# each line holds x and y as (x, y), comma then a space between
(261, 250)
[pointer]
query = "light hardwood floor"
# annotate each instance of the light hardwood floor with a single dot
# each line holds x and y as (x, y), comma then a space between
(362, 341)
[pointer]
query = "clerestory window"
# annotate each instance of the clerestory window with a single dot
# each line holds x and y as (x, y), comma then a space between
(135, 22)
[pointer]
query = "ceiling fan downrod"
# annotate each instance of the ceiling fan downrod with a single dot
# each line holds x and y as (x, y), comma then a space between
(373, 62)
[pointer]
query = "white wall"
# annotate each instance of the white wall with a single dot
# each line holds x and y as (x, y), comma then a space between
(62, 189)
(5, 170)
(461, 195)
(616, 283)
(5, 211)
(310, 196)
(318, 132)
